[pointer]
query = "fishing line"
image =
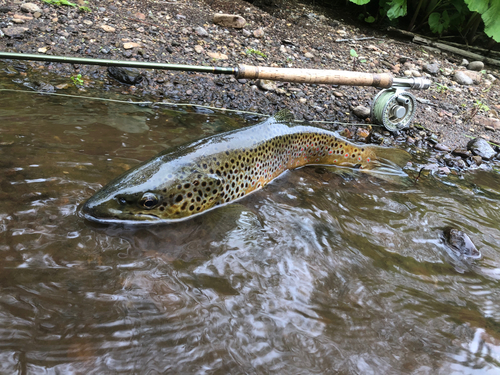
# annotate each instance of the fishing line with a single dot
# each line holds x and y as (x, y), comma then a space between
(173, 105)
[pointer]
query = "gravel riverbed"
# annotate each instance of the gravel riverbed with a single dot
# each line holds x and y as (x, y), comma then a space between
(462, 103)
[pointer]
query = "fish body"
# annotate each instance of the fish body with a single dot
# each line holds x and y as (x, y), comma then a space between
(191, 179)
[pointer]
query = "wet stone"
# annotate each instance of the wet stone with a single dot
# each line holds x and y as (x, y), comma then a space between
(361, 111)
(229, 20)
(460, 243)
(441, 147)
(128, 76)
(480, 147)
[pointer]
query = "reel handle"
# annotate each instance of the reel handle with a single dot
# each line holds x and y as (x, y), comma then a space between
(333, 77)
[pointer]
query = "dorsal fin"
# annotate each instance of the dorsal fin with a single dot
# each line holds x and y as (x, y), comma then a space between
(284, 115)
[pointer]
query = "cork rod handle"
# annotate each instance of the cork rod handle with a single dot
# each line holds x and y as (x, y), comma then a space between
(333, 77)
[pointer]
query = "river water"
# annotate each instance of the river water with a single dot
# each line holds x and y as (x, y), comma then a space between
(319, 273)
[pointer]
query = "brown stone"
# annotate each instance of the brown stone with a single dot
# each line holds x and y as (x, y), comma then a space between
(217, 55)
(108, 29)
(131, 45)
(488, 123)
(229, 20)
(475, 76)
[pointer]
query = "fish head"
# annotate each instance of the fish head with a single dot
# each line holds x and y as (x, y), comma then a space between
(154, 194)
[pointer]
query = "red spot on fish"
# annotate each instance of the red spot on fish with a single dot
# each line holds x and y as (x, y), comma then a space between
(302, 149)
(359, 158)
(317, 149)
(346, 155)
(317, 159)
(368, 160)
(330, 152)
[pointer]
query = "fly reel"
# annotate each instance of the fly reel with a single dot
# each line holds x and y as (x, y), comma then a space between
(393, 108)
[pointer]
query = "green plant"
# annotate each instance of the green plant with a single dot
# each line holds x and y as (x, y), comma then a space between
(461, 17)
(250, 51)
(84, 9)
(77, 80)
(59, 2)
(441, 88)
(481, 106)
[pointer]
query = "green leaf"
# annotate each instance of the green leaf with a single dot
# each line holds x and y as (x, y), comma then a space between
(439, 22)
(360, 2)
(491, 21)
(353, 53)
(490, 13)
(398, 8)
(370, 19)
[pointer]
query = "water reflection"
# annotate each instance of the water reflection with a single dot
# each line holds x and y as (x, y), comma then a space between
(321, 272)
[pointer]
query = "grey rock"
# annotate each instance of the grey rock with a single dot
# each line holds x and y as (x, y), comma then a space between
(201, 31)
(480, 147)
(130, 76)
(30, 8)
(465, 62)
(15, 31)
(361, 111)
(1, 34)
(246, 33)
(441, 147)
(476, 65)
(258, 33)
(432, 68)
(266, 85)
(462, 78)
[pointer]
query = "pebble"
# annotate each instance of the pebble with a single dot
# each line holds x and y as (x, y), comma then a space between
(15, 31)
(229, 20)
(309, 55)
(217, 55)
(108, 29)
(441, 147)
(475, 76)
(361, 111)
(30, 8)
(198, 48)
(476, 65)
(283, 49)
(246, 33)
(480, 147)
(464, 62)
(461, 78)
(258, 33)
(201, 31)
(432, 68)
(130, 45)
(88, 22)
(266, 85)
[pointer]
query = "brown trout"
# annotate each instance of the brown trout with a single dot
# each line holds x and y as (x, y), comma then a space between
(189, 180)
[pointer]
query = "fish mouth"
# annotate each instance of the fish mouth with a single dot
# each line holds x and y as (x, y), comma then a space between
(138, 219)
(96, 214)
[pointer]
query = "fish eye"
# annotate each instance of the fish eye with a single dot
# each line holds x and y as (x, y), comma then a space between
(149, 201)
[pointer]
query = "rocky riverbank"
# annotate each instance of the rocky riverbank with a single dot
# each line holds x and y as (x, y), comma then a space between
(461, 105)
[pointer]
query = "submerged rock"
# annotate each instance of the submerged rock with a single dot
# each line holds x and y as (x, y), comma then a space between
(130, 76)
(460, 243)
(480, 147)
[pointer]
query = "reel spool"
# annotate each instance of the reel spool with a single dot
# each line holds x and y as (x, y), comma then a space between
(393, 108)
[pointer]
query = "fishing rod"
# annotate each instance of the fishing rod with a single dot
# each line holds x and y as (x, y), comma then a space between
(394, 107)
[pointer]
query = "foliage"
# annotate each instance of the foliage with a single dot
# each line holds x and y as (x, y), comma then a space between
(250, 51)
(77, 80)
(490, 13)
(462, 17)
(59, 2)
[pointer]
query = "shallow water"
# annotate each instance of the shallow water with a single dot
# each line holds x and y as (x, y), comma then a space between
(321, 272)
